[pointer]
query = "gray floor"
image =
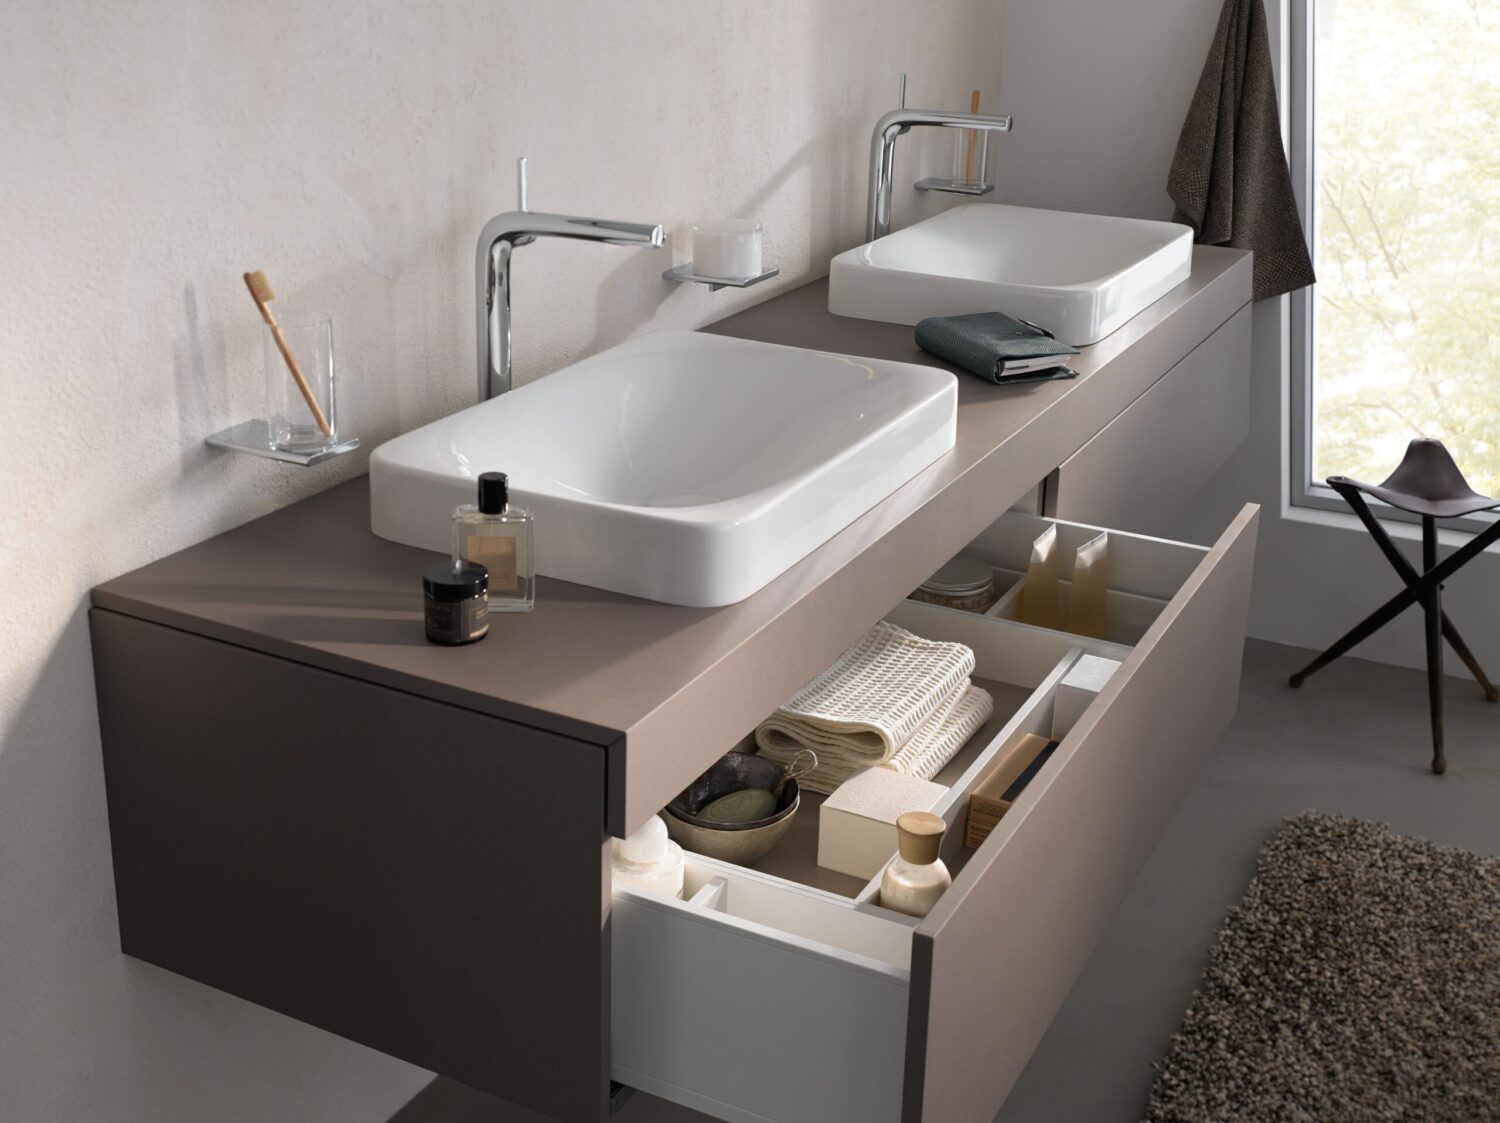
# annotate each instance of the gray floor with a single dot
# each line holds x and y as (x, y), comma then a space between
(1354, 740)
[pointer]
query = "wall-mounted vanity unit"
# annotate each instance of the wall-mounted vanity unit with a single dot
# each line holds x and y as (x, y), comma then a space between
(312, 808)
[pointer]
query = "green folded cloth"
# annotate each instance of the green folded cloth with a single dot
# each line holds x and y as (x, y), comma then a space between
(996, 347)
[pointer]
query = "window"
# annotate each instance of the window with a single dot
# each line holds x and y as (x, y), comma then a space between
(1396, 157)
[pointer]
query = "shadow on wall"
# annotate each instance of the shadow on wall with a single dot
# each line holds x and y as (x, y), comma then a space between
(89, 1033)
(628, 298)
(191, 371)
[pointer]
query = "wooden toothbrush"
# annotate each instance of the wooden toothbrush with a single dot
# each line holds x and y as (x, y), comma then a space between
(973, 136)
(262, 294)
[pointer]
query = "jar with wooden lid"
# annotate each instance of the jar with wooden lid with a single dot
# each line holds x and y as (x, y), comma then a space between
(914, 881)
(964, 583)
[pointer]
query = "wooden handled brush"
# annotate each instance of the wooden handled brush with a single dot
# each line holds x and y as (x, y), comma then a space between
(973, 137)
(262, 294)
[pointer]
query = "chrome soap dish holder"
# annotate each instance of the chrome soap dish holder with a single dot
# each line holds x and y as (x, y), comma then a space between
(727, 253)
(683, 274)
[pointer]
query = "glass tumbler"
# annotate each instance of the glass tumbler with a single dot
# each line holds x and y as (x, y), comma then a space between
(971, 157)
(304, 347)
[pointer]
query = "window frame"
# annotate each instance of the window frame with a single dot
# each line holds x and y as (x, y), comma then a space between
(1305, 491)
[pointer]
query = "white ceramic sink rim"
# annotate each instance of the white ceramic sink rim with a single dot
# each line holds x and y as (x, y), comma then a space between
(1081, 276)
(679, 466)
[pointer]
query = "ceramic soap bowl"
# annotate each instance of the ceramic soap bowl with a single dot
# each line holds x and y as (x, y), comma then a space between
(741, 843)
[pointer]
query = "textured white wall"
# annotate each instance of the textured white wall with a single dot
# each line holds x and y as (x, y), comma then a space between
(149, 154)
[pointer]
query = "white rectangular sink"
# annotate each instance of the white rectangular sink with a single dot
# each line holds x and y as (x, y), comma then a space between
(1080, 276)
(679, 467)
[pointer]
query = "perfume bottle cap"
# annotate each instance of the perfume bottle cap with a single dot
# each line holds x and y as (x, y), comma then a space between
(494, 493)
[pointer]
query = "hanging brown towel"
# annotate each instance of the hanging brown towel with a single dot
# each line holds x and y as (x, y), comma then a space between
(1229, 178)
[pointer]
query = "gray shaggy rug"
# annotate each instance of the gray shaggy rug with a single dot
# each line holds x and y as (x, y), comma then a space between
(1358, 980)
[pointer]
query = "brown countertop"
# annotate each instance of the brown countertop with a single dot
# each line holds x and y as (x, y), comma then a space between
(666, 689)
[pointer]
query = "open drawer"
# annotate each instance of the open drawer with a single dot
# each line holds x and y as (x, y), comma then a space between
(764, 998)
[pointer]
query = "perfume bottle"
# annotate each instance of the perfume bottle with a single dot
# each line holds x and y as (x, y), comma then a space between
(914, 881)
(497, 535)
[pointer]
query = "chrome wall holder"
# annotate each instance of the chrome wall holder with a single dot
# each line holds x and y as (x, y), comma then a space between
(684, 274)
(254, 437)
(953, 186)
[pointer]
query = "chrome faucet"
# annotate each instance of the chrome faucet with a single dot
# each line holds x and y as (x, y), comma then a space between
(499, 238)
(883, 152)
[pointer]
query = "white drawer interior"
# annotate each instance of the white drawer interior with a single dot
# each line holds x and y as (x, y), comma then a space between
(1150, 567)
(789, 970)
(817, 979)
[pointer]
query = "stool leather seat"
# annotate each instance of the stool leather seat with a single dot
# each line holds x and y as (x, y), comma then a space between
(1427, 482)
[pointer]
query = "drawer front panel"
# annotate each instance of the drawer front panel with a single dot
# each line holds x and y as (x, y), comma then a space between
(994, 960)
(348, 856)
(749, 1025)
(1141, 470)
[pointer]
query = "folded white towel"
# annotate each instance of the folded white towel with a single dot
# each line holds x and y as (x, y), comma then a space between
(936, 743)
(877, 693)
(930, 748)
(893, 698)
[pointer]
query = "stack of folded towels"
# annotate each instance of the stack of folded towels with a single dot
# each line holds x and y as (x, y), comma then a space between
(893, 699)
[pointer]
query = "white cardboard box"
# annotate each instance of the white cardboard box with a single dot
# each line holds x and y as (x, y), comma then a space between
(857, 823)
(1077, 689)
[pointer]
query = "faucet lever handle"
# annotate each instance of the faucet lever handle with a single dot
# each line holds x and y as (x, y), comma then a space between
(521, 185)
(903, 94)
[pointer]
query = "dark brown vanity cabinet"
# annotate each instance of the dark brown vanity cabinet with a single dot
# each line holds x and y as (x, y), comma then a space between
(409, 874)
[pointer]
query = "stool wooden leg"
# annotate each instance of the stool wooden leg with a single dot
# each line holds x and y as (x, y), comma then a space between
(1434, 606)
(1461, 649)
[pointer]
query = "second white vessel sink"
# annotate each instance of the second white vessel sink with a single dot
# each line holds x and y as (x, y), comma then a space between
(680, 467)
(1080, 276)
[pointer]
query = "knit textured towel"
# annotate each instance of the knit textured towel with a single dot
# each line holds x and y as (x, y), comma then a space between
(933, 744)
(936, 742)
(1229, 178)
(893, 698)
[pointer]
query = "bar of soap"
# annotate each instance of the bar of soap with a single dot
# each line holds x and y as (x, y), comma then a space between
(857, 823)
(744, 806)
(1002, 782)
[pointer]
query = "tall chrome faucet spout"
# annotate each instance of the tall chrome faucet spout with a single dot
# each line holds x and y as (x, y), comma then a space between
(499, 238)
(883, 153)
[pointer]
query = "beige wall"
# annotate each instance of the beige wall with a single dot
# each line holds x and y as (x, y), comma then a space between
(149, 154)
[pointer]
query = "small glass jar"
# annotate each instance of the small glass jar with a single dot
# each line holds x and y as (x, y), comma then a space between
(455, 603)
(965, 583)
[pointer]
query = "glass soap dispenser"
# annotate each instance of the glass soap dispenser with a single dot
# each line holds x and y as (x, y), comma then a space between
(497, 535)
(914, 881)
